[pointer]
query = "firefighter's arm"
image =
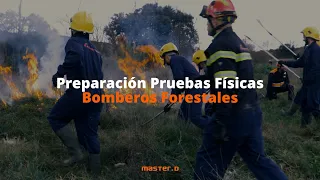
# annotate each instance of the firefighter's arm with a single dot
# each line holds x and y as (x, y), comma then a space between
(177, 72)
(294, 64)
(224, 68)
(71, 60)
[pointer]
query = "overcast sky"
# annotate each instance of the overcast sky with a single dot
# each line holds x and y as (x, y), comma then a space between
(284, 18)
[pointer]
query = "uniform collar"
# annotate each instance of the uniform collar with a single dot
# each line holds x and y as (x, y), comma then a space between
(81, 35)
(224, 30)
(314, 42)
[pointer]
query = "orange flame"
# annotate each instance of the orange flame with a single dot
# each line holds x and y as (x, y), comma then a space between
(153, 54)
(31, 85)
(32, 64)
(6, 73)
(132, 67)
(4, 103)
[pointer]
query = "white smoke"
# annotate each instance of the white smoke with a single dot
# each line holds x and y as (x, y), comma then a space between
(50, 61)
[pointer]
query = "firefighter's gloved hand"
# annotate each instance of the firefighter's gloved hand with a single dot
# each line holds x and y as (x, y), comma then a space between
(219, 132)
(297, 56)
(55, 79)
(167, 108)
(281, 62)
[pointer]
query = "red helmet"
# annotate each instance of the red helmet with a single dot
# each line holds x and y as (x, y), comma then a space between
(219, 8)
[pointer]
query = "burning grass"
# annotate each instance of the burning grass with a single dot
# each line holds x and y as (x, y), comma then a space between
(31, 86)
(130, 66)
(137, 68)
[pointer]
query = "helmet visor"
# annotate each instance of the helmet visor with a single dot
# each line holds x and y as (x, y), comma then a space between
(204, 12)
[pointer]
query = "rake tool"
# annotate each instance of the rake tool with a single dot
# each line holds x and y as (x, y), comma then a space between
(293, 53)
(274, 57)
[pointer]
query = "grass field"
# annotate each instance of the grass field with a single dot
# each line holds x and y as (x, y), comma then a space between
(34, 152)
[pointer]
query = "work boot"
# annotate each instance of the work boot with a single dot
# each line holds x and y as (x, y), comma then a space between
(94, 164)
(305, 120)
(293, 109)
(71, 142)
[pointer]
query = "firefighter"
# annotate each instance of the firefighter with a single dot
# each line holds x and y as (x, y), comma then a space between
(308, 97)
(236, 127)
(294, 107)
(199, 59)
(278, 81)
(182, 68)
(82, 62)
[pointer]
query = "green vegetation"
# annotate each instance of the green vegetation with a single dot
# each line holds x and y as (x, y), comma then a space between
(30, 150)
(165, 141)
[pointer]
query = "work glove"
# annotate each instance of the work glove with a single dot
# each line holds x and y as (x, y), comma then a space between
(297, 56)
(55, 79)
(219, 132)
(167, 108)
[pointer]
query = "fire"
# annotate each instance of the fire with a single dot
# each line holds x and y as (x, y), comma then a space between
(153, 54)
(135, 68)
(32, 64)
(4, 103)
(31, 86)
(130, 66)
(6, 74)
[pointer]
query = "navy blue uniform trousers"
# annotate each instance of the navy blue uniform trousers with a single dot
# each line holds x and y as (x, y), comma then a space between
(86, 118)
(245, 137)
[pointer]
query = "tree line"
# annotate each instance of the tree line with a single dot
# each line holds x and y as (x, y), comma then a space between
(151, 24)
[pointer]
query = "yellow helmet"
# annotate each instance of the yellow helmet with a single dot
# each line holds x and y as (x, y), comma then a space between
(169, 47)
(311, 32)
(81, 21)
(199, 57)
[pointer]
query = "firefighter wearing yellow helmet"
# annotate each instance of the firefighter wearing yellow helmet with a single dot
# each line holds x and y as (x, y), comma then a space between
(168, 49)
(82, 62)
(82, 22)
(310, 33)
(199, 59)
(181, 69)
(308, 97)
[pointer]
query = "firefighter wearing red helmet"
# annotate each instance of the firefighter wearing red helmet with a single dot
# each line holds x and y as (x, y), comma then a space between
(235, 127)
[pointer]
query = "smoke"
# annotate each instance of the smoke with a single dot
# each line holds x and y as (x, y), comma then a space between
(38, 38)
(4, 95)
(53, 56)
